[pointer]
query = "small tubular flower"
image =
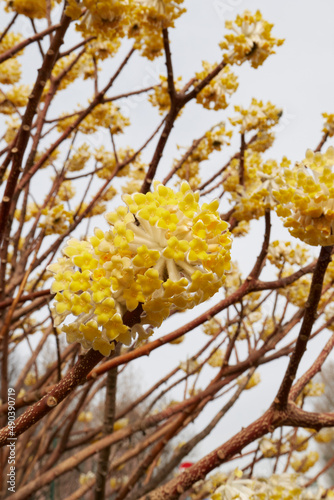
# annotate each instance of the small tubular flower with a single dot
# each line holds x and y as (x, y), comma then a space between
(151, 257)
(306, 197)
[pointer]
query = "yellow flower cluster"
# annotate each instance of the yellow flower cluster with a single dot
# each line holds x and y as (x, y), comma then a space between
(106, 162)
(250, 40)
(325, 435)
(298, 442)
(270, 447)
(160, 96)
(297, 292)
(85, 417)
(264, 140)
(13, 125)
(34, 10)
(105, 115)
(30, 379)
(214, 95)
(139, 19)
(259, 181)
(57, 219)
(31, 211)
(314, 389)
(306, 197)
(304, 463)
(120, 424)
(16, 97)
(258, 116)
(86, 478)
(164, 252)
(101, 48)
(233, 279)
(50, 158)
(190, 366)
(10, 71)
(252, 382)
(216, 359)
(148, 17)
(281, 252)
(78, 159)
(329, 124)
(66, 192)
(72, 70)
(212, 327)
(9, 41)
(104, 16)
(276, 487)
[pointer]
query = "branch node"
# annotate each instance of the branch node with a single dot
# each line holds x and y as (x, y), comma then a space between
(51, 401)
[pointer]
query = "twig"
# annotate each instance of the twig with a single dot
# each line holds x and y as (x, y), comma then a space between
(107, 429)
(281, 399)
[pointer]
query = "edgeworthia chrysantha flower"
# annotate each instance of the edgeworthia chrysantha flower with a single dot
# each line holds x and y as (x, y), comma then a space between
(306, 197)
(163, 252)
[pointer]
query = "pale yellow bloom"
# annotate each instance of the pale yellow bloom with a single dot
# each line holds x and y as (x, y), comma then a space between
(214, 95)
(252, 382)
(305, 462)
(10, 71)
(306, 197)
(163, 252)
(250, 40)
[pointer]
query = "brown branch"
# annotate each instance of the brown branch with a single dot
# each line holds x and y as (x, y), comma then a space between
(311, 305)
(260, 261)
(25, 298)
(23, 134)
(297, 417)
(322, 142)
(117, 436)
(312, 371)
(154, 452)
(190, 445)
(327, 466)
(234, 157)
(4, 33)
(170, 75)
(174, 488)
(75, 47)
(242, 161)
(286, 281)
(203, 83)
(169, 123)
(14, 50)
(185, 157)
(97, 100)
(77, 375)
